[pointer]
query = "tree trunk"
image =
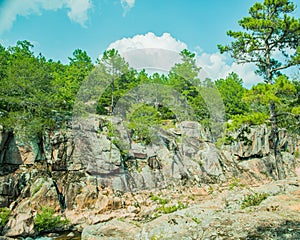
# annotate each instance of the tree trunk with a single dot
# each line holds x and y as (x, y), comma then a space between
(275, 140)
(112, 97)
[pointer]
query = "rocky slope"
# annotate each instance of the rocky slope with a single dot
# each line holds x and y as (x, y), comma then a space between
(215, 215)
(92, 174)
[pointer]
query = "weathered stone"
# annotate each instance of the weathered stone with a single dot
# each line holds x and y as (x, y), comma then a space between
(87, 173)
(113, 230)
(20, 225)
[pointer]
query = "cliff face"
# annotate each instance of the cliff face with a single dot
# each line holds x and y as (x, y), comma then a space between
(87, 174)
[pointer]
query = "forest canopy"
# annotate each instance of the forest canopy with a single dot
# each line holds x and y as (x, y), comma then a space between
(38, 94)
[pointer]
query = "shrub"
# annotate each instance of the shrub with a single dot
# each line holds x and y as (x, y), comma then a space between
(253, 200)
(4, 215)
(46, 221)
(169, 209)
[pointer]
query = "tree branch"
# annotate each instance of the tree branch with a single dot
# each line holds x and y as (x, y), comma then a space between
(280, 68)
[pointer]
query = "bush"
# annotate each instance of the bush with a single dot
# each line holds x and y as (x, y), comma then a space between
(4, 215)
(46, 221)
(253, 200)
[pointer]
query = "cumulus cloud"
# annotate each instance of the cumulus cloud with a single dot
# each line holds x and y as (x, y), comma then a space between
(127, 5)
(216, 66)
(10, 9)
(160, 53)
(150, 51)
(78, 10)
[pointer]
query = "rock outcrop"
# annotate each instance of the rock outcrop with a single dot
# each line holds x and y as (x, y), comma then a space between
(218, 216)
(94, 173)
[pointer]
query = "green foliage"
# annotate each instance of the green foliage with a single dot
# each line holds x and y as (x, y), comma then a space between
(173, 208)
(118, 74)
(158, 199)
(4, 215)
(68, 79)
(285, 94)
(25, 103)
(142, 120)
(270, 28)
(46, 221)
(232, 92)
(253, 200)
(235, 182)
(183, 78)
(255, 118)
(36, 94)
(280, 92)
(196, 220)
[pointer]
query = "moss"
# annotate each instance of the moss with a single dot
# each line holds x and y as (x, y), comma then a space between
(4, 215)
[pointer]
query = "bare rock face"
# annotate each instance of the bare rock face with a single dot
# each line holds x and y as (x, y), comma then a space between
(113, 230)
(218, 217)
(20, 225)
(85, 173)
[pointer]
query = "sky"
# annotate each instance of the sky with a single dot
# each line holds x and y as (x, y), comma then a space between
(162, 28)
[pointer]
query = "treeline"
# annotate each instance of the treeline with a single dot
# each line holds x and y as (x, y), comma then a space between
(37, 94)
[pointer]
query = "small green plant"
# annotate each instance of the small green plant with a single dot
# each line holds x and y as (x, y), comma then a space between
(253, 199)
(158, 199)
(46, 221)
(155, 237)
(192, 197)
(236, 182)
(227, 140)
(169, 209)
(4, 215)
(210, 190)
(297, 154)
(196, 220)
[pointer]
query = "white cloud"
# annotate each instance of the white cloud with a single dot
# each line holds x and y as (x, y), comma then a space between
(78, 10)
(160, 53)
(216, 66)
(127, 5)
(149, 40)
(150, 51)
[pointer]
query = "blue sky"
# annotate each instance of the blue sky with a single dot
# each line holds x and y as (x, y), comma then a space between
(58, 27)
